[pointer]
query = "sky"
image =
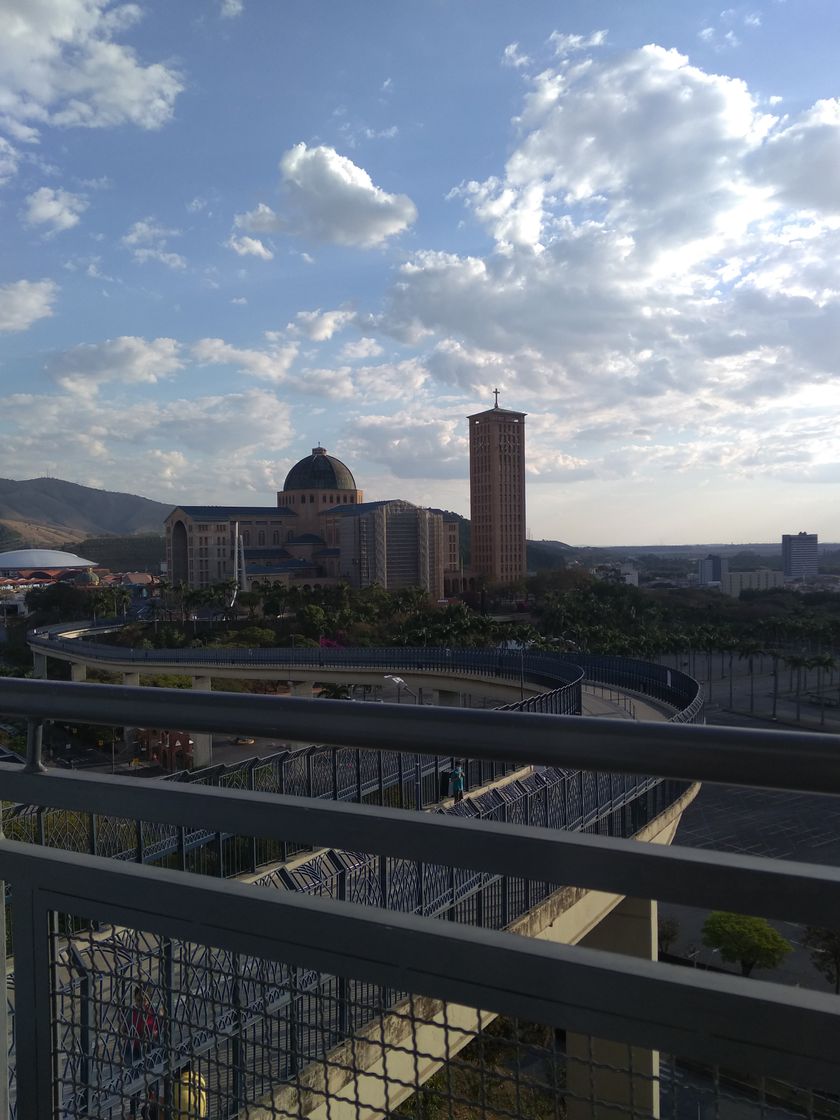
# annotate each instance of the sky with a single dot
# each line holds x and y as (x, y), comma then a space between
(232, 230)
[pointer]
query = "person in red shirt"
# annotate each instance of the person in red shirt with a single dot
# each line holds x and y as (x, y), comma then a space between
(141, 1027)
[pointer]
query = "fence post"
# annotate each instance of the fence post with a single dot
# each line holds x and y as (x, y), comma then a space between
(342, 982)
(86, 1036)
(281, 789)
(168, 970)
(4, 1004)
(36, 1085)
(252, 785)
(237, 1040)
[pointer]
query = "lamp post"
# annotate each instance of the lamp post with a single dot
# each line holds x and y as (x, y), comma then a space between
(418, 775)
(400, 683)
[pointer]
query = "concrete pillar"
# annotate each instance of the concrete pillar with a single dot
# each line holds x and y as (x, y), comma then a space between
(302, 689)
(132, 679)
(611, 1078)
(446, 698)
(202, 740)
(39, 666)
(78, 672)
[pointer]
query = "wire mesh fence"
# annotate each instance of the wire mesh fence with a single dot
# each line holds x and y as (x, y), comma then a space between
(180, 1030)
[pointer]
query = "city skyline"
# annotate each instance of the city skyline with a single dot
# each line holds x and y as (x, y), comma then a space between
(233, 231)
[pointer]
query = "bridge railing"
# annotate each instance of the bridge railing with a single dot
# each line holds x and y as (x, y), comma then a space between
(384, 980)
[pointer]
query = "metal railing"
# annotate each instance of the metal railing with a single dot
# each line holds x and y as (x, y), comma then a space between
(748, 1025)
(340, 773)
(558, 676)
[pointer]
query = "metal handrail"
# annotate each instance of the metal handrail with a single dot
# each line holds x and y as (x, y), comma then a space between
(770, 759)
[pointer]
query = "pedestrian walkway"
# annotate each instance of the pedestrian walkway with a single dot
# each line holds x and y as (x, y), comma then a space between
(615, 704)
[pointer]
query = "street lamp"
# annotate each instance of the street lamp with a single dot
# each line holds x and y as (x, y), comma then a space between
(418, 774)
(400, 683)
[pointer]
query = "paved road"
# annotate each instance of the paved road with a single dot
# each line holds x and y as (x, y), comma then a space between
(779, 825)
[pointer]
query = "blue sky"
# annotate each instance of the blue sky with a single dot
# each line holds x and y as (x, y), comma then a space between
(233, 229)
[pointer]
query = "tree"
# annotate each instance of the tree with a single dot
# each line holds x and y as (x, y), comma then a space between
(750, 942)
(823, 946)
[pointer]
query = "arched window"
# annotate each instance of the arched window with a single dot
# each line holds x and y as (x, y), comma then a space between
(246, 538)
(275, 537)
(261, 537)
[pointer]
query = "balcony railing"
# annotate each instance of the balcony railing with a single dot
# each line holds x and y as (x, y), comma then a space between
(309, 977)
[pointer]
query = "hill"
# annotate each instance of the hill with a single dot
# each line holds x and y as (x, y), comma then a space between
(139, 553)
(51, 512)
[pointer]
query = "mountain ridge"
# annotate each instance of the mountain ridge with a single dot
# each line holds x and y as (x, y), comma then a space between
(53, 512)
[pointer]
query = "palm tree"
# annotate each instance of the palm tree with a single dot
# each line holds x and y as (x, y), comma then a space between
(750, 649)
(798, 662)
(822, 662)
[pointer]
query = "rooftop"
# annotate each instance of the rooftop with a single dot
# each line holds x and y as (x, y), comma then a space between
(319, 471)
(26, 558)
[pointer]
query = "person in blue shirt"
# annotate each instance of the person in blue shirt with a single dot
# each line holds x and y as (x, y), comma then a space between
(457, 783)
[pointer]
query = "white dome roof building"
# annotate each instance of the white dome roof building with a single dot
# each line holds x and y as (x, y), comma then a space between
(47, 562)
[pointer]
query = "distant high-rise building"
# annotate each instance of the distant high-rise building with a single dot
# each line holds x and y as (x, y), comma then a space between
(713, 569)
(799, 555)
(497, 494)
(392, 543)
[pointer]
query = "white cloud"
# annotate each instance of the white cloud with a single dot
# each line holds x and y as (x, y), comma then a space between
(217, 447)
(330, 198)
(588, 140)
(271, 364)
(321, 325)
(9, 160)
(249, 247)
(512, 56)
(160, 256)
(230, 9)
(148, 232)
(361, 348)
(239, 300)
(126, 360)
(58, 209)
(565, 44)
(411, 447)
(24, 302)
(334, 384)
(389, 133)
(60, 65)
(261, 219)
(391, 381)
(149, 241)
(648, 287)
(800, 161)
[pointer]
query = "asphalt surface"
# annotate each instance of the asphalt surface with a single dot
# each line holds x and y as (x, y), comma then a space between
(778, 825)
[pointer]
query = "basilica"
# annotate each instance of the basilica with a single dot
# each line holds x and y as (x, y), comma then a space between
(320, 532)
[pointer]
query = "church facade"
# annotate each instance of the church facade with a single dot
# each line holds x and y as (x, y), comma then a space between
(320, 532)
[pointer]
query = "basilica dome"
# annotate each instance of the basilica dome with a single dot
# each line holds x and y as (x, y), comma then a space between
(319, 471)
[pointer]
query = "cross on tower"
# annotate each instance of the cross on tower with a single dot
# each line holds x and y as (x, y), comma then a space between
(496, 395)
